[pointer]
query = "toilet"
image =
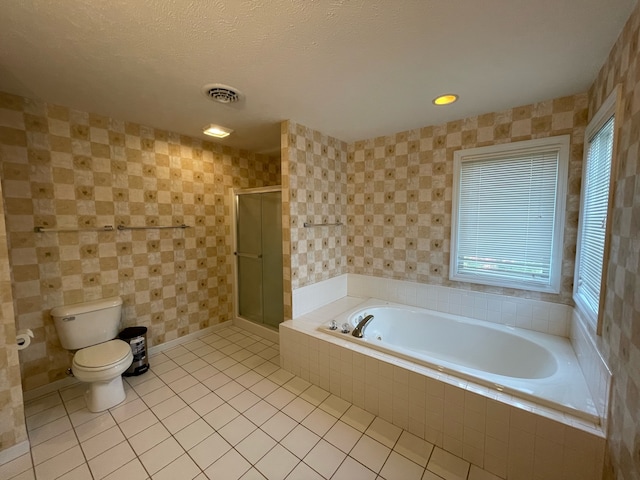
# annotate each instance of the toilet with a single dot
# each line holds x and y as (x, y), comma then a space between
(89, 329)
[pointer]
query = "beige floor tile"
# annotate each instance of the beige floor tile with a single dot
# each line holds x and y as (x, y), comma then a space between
(193, 434)
(53, 447)
(231, 466)
(233, 434)
(182, 468)
(324, 458)
(352, 470)
(448, 466)
(371, 453)
(255, 446)
(277, 463)
(300, 441)
(398, 466)
(161, 455)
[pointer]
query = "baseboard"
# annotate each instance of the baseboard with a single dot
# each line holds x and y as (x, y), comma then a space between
(188, 338)
(11, 453)
(49, 388)
(256, 329)
(69, 381)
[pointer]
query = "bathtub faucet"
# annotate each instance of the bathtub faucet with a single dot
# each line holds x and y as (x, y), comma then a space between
(359, 330)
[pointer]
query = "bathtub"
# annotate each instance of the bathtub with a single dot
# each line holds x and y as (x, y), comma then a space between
(534, 366)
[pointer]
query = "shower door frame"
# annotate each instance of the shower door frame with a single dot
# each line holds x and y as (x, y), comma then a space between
(234, 234)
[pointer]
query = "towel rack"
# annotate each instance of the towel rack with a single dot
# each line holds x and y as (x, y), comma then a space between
(106, 228)
(159, 227)
(310, 225)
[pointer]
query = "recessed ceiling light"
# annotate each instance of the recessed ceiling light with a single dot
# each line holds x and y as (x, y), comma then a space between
(445, 99)
(217, 131)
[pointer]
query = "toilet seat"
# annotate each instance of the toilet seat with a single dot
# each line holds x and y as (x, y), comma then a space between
(102, 356)
(101, 367)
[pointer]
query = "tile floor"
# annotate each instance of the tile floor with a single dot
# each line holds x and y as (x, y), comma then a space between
(220, 407)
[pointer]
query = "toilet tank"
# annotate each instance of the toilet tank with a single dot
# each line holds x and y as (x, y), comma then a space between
(84, 324)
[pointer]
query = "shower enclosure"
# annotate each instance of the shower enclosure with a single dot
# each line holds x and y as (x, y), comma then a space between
(259, 256)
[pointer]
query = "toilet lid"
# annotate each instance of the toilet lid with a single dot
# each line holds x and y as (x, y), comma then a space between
(102, 355)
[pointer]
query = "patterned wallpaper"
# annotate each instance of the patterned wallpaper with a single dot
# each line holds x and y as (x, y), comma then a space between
(12, 424)
(286, 152)
(400, 188)
(620, 341)
(68, 169)
(316, 184)
(394, 193)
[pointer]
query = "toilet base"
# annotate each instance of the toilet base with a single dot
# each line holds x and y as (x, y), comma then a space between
(101, 396)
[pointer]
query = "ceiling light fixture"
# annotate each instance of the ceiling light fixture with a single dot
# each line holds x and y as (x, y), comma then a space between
(217, 131)
(445, 99)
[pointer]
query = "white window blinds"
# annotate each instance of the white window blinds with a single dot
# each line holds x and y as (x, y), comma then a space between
(507, 216)
(593, 219)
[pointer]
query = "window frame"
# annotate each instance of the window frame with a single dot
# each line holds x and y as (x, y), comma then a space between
(559, 144)
(611, 107)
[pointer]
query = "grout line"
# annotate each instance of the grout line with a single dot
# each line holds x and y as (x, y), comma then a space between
(294, 385)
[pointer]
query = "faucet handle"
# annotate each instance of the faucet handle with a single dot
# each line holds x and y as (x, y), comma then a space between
(333, 325)
(345, 328)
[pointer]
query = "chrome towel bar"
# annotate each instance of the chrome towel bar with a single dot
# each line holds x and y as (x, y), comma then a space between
(106, 228)
(309, 225)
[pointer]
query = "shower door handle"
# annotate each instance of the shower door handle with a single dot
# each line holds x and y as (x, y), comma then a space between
(248, 255)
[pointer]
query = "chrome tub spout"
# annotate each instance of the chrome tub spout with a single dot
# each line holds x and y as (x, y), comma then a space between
(359, 330)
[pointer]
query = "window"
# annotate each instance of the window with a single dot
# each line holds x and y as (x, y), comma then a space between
(594, 209)
(508, 214)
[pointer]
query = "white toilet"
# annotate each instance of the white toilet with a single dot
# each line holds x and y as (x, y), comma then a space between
(90, 328)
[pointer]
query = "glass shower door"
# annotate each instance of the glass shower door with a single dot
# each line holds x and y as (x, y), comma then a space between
(273, 309)
(249, 254)
(259, 252)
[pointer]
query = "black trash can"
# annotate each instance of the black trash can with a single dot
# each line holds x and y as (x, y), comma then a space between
(137, 338)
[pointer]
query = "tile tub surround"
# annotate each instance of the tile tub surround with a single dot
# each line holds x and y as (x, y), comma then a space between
(66, 168)
(508, 437)
(536, 315)
(594, 368)
(533, 366)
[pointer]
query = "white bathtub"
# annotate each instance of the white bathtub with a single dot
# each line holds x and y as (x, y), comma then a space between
(526, 364)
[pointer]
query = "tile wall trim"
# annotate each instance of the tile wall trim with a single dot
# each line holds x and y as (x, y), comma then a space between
(594, 368)
(311, 297)
(188, 338)
(67, 382)
(530, 314)
(257, 329)
(537, 315)
(29, 395)
(545, 317)
(14, 452)
(508, 437)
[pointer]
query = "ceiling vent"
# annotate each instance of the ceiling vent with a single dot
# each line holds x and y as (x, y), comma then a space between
(222, 93)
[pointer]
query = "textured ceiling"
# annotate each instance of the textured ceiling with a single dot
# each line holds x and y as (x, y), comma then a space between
(351, 69)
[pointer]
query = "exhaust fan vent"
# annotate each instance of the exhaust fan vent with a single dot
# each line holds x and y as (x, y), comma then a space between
(221, 93)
